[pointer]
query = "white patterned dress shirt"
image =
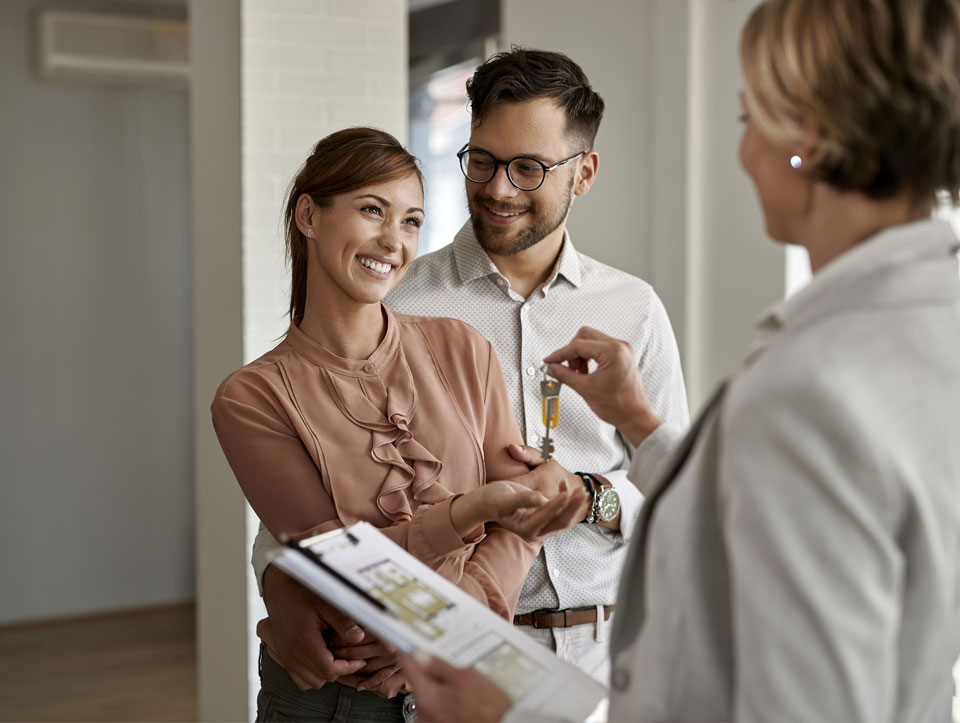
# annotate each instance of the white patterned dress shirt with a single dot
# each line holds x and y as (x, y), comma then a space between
(579, 567)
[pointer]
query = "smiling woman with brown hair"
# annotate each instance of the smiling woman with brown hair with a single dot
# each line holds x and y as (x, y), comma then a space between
(361, 414)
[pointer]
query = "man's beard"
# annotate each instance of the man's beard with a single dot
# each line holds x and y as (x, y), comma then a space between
(499, 244)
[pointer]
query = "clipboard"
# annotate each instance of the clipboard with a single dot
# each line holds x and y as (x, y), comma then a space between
(403, 602)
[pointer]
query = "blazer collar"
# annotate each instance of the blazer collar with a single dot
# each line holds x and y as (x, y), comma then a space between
(909, 263)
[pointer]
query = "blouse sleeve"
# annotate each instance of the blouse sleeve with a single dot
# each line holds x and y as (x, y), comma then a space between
(496, 571)
(283, 485)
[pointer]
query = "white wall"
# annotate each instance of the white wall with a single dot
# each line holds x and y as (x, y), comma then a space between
(734, 270)
(96, 507)
(612, 41)
(670, 203)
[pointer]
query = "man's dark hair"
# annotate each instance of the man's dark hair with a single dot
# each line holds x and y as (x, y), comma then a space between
(523, 74)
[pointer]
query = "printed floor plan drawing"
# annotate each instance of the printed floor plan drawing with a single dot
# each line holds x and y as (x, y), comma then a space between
(512, 670)
(414, 603)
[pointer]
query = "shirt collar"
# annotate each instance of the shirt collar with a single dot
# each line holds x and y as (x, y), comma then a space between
(472, 262)
(381, 356)
(875, 271)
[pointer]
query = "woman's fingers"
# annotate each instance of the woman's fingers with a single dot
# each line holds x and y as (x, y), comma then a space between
(448, 694)
(555, 515)
(565, 517)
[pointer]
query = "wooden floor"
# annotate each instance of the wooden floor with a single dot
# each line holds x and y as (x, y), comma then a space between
(132, 666)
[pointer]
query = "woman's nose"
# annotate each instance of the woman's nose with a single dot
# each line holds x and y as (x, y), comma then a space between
(390, 237)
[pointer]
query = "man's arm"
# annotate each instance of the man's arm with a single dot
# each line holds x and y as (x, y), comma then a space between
(293, 632)
(298, 633)
(616, 394)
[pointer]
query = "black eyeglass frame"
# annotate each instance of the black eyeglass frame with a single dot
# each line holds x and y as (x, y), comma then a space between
(506, 166)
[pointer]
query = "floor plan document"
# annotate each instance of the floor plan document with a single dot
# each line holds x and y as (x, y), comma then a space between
(402, 601)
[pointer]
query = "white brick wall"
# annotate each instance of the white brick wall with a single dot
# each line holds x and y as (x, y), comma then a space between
(310, 67)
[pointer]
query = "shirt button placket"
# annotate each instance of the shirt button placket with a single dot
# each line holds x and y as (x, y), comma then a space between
(529, 383)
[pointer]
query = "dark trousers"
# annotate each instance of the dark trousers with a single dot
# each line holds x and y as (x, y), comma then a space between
(280, 699)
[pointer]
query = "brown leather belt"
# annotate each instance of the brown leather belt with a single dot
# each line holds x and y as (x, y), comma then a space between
(562, 618)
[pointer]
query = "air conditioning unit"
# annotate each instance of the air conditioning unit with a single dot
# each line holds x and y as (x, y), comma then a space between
(113, 49)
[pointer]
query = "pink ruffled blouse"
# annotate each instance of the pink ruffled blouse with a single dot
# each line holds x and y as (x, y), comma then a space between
(317, 442)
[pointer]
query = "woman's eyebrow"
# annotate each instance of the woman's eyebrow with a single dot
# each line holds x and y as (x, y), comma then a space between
(385, 202)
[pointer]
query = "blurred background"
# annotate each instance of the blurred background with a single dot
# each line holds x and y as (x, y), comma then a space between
(145, 150)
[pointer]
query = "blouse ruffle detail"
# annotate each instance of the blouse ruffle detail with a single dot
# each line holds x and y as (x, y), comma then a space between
(362, 399)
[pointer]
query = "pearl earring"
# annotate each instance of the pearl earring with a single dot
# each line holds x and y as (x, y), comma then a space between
(309, 232)
(796, 161)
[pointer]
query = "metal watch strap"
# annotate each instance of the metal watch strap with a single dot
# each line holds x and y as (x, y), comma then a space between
(592, 491)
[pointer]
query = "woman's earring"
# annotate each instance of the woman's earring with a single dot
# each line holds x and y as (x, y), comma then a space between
(309, 232)
(796, 161)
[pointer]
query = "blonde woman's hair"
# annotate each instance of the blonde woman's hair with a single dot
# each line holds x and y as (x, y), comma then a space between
(880, 79)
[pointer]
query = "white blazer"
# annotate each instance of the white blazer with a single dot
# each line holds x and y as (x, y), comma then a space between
(799, 557)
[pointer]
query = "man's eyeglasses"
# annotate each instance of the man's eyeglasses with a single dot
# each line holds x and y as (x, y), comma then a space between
(527, 174)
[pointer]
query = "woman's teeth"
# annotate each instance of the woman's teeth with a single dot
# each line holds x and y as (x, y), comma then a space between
(375, 265)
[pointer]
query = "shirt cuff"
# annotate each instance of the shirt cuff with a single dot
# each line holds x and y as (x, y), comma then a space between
(263, 544)
(631, 499)
(653, 452)
(432, 530)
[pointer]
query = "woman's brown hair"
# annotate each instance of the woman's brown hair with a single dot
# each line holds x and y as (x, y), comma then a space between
(342, 162)
(879, 78)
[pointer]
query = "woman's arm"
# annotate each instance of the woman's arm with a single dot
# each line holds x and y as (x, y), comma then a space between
(816, 575)
(499, 565)
(283, 484)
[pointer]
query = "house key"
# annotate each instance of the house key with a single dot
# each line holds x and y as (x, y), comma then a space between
(550, 396)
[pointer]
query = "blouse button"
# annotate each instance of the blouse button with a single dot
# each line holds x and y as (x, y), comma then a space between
(368, 368)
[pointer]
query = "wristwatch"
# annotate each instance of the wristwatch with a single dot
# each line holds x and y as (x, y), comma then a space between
(606, 499)
(606, 503)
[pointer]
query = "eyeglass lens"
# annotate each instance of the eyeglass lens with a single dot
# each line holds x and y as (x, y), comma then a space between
(479, 167)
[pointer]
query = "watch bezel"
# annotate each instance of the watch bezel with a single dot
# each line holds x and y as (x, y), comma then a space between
(609, 492)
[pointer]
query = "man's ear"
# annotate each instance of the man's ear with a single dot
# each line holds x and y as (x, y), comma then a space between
(588, 164)
(307, 215)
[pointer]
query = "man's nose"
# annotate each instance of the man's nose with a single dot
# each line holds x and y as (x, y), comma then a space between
(499, 186)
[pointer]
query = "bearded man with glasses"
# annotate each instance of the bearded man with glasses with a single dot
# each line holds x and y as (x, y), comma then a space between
(512, 273)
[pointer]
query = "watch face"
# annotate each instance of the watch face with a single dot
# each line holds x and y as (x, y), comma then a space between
(609, 505)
